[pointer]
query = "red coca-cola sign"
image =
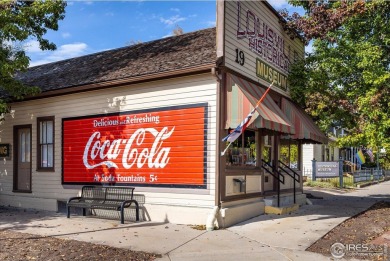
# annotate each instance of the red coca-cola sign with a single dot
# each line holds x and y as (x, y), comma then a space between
(162, 148)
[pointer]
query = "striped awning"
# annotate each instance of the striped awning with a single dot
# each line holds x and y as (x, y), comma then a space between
(305, 129)
(242, 96)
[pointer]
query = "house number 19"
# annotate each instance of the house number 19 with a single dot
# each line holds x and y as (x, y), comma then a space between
(240, 57)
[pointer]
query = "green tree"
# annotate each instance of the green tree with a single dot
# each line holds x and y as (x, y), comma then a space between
(21, 21)
(345, 81)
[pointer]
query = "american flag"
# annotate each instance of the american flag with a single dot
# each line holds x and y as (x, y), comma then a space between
(240, 128)
(231, 137)
(370, 154)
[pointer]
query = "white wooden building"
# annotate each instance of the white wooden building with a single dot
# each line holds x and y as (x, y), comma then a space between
(153, 116)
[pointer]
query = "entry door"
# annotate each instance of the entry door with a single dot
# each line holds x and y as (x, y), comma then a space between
(22, 158)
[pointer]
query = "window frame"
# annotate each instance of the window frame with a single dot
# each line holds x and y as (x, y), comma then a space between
(289, 143)
(39, 144)
(242, 147)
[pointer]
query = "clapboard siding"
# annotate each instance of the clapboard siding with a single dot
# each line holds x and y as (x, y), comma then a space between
(261, 10)
(132, 101)
(152, 95)
(136, 102)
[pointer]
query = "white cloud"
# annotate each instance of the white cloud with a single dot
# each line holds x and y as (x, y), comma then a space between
(172, 20)
(75, 48)
(109, 14)
(63, 52)
(175, 10)
(211, 23)
(32, 46)
(65, 35)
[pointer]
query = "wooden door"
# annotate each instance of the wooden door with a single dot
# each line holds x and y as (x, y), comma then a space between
(22, 158)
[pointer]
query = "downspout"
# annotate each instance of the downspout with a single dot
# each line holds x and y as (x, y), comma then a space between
(212, 217)
(210, 223)
(220, 43)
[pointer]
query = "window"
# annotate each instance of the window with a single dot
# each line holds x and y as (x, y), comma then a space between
(332, 153)
(242, 152)
(267, 149)
(294, 155)
(327, 154)
(285, 153)
(45, 143)
(289, 153)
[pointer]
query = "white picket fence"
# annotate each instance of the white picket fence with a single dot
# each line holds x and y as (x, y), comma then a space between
(358, 176)
(366, 175)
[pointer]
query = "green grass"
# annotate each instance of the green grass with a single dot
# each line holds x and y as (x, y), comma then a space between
(330, 183)
(335, 182)
(321, 184)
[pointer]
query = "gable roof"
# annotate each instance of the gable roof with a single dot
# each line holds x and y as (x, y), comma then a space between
(185, 51)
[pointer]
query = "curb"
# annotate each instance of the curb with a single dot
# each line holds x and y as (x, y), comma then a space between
(372, 182)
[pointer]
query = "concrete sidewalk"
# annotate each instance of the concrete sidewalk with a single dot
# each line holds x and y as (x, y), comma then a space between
(267, 237)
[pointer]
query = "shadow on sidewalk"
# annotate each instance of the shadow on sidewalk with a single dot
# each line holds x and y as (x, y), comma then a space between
(329, 204)
(12, 218)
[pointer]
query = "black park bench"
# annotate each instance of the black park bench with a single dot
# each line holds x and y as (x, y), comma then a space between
(110, 198)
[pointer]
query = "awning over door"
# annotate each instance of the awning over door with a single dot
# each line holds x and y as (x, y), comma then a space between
(242, 96)
(305, 128)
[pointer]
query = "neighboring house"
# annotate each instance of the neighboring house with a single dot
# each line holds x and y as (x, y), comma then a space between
(319, 152)
(153, 116)
(329, 152)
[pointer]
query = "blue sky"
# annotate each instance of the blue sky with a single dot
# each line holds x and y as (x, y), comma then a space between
(94, 26)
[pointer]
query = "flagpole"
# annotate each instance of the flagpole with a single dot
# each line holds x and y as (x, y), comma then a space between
(223, 152)
(262, 97)
(257, 105)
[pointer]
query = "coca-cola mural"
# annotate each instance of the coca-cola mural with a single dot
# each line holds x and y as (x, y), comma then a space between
(163, 147)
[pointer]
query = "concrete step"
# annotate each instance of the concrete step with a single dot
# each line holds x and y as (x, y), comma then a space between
(281, 210)
(286, 200)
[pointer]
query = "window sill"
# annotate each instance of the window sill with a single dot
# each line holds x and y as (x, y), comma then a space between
(45, 170)
(247, 170)
(21, 191)
(242, 167)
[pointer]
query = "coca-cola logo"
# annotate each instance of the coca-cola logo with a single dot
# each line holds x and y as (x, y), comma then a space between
(164, 147)
(133, 152)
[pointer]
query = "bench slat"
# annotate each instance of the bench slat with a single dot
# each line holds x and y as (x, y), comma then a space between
(116, 198)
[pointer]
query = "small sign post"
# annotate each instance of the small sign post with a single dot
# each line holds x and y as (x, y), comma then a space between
(341, 172)
(314, 169)
(328, 169)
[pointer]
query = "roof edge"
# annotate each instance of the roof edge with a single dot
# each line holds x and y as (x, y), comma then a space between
(122, 47)
(118, 82)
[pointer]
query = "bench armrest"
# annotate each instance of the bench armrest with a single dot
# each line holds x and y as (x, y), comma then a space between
(73, 198)
(124, 203)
